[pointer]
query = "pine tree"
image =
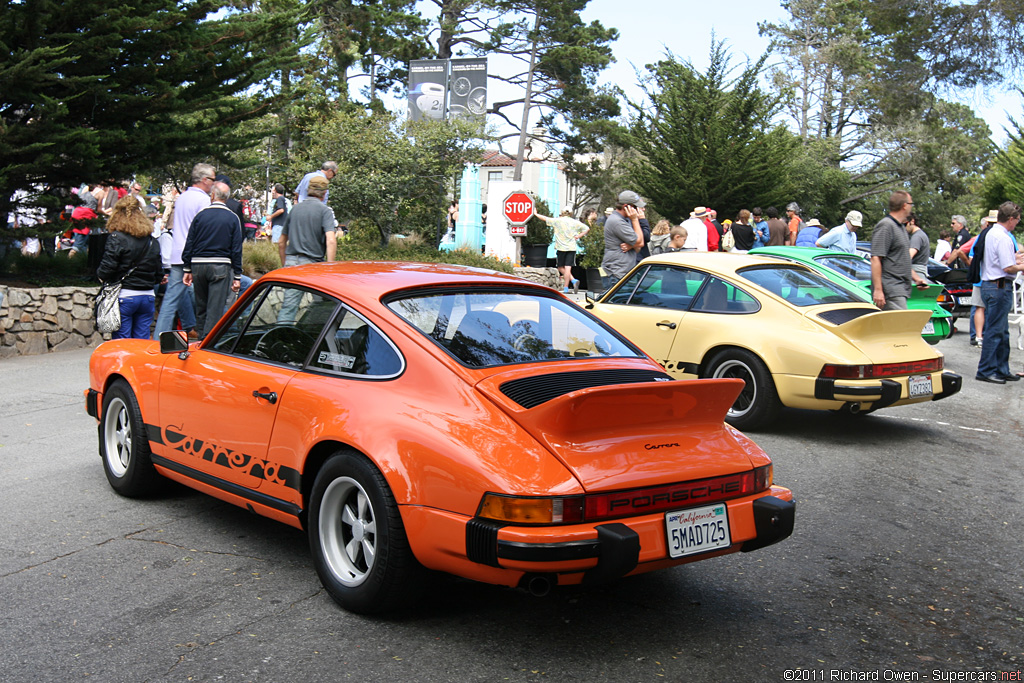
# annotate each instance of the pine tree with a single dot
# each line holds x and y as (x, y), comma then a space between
(94, 92)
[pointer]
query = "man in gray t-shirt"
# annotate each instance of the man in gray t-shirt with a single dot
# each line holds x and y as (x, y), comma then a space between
(920, 247)
(622, 236)
(308, 235)
(891, 273)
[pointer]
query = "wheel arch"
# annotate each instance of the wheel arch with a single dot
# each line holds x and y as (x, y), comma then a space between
(705, 362)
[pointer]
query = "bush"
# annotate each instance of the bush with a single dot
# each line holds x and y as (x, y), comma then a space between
(592, 246)
(538, 231)
(45, 270)
(415, 248)
(259, 258)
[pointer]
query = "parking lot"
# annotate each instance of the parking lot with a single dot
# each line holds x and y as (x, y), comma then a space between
(907, 561)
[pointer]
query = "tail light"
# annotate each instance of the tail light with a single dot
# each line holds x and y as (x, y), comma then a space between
(833, 371)
(602, 506)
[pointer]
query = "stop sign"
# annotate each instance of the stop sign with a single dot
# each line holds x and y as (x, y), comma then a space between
(518, 208)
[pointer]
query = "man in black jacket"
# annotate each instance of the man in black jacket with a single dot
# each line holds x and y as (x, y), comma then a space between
(212, 250)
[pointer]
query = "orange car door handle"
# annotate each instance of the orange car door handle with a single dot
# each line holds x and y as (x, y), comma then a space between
(270, 396)
(665, 323)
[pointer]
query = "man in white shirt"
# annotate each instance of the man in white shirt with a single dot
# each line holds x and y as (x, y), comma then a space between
(696, 230)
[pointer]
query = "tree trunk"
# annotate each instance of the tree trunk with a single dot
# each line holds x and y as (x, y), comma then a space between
(524, 130)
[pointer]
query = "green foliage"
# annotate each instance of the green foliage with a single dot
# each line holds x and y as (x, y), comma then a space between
(538, 231)
(46, 270)
(391, 174)
(708, 139)
(95, 92)
(592, 246)
(415, 250)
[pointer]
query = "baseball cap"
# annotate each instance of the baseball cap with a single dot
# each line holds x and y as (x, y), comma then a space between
(319, 183)
(630, 197)
(856, 218)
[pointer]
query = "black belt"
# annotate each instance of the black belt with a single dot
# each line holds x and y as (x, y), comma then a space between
(1001, 283)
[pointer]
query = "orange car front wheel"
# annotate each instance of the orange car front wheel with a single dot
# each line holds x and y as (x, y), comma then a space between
(359, 546)
(124, 445)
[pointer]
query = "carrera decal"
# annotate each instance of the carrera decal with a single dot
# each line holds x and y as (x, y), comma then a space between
(272, 472)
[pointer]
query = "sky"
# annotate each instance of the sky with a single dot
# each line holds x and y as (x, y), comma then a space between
(648, 27)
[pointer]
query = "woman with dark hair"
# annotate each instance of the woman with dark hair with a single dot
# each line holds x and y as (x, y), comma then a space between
(132, 256)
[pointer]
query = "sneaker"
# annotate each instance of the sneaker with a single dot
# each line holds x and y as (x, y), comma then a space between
(575, 286)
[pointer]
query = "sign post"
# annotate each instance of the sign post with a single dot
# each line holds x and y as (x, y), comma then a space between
(518, 208)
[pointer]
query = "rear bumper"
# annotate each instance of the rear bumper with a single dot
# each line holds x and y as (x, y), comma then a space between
(601, 553)
(884, 392)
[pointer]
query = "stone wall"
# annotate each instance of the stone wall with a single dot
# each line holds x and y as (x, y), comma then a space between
(548, 277)
(35, 321)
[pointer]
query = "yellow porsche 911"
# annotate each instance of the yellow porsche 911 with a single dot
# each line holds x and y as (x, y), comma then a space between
(796, 338)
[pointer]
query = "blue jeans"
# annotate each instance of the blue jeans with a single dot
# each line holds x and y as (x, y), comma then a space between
(177, 301)
(136, 316)
(995, 345)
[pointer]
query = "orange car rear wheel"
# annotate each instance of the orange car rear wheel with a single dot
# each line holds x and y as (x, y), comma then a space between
(124, 445)
(359, 546)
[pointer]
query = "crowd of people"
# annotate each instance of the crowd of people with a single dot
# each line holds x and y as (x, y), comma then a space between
(899, 254)
(187, 246)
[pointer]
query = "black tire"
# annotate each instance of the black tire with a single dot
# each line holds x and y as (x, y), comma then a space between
(357, 539)
(758, 404)
(124, 444)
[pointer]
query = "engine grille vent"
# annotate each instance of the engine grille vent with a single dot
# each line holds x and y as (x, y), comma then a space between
(530, 392)
(845, 315)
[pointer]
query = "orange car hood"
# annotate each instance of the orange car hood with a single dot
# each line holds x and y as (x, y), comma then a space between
(631, 435)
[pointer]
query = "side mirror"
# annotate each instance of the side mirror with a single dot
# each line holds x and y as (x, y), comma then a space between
(174, 341)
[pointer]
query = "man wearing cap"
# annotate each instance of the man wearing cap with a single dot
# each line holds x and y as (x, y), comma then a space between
(327, 171)
(695, 224)
(308, 235)
(622, 227)
(843, 237)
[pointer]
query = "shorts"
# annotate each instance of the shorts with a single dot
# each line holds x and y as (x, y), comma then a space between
(976, 297)
(275, 233)
(565, 258)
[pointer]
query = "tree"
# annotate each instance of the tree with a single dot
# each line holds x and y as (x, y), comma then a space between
(93, 92)
(708, 139)
(391, 174)
(863, 79)
(559, 58)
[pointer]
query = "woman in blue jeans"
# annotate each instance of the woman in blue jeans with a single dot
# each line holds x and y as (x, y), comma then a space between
(132, 256)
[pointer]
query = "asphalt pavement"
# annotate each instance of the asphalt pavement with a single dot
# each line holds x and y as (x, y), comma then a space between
(906, 564)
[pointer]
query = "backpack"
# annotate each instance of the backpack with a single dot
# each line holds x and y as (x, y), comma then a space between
(974, 270)
(728, 241)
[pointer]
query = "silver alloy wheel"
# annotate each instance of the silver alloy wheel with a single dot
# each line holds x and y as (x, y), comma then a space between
(348, 531)
(117, 436)
(737, 369)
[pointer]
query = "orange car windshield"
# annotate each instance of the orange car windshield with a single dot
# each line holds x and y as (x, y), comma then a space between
(483, 329)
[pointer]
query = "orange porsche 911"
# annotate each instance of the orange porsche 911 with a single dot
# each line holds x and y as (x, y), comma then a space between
(411, 416)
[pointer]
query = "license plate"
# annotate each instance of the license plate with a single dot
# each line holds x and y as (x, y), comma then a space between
(920, 385)
(964, 300)
(929, 328)
(697, 530)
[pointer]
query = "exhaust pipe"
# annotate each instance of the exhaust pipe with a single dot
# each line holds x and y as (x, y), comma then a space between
(539, 585)
(851, 407)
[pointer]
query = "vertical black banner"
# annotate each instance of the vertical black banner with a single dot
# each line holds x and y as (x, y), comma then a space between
(468, 88)
(427, 78)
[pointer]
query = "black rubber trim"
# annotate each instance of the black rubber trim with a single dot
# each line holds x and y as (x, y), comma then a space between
(618, 554)
(227, 486)
(773, 520)
(825, 388)
(92, 402)
(548, 552)
(482, 541)
(951, 384)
